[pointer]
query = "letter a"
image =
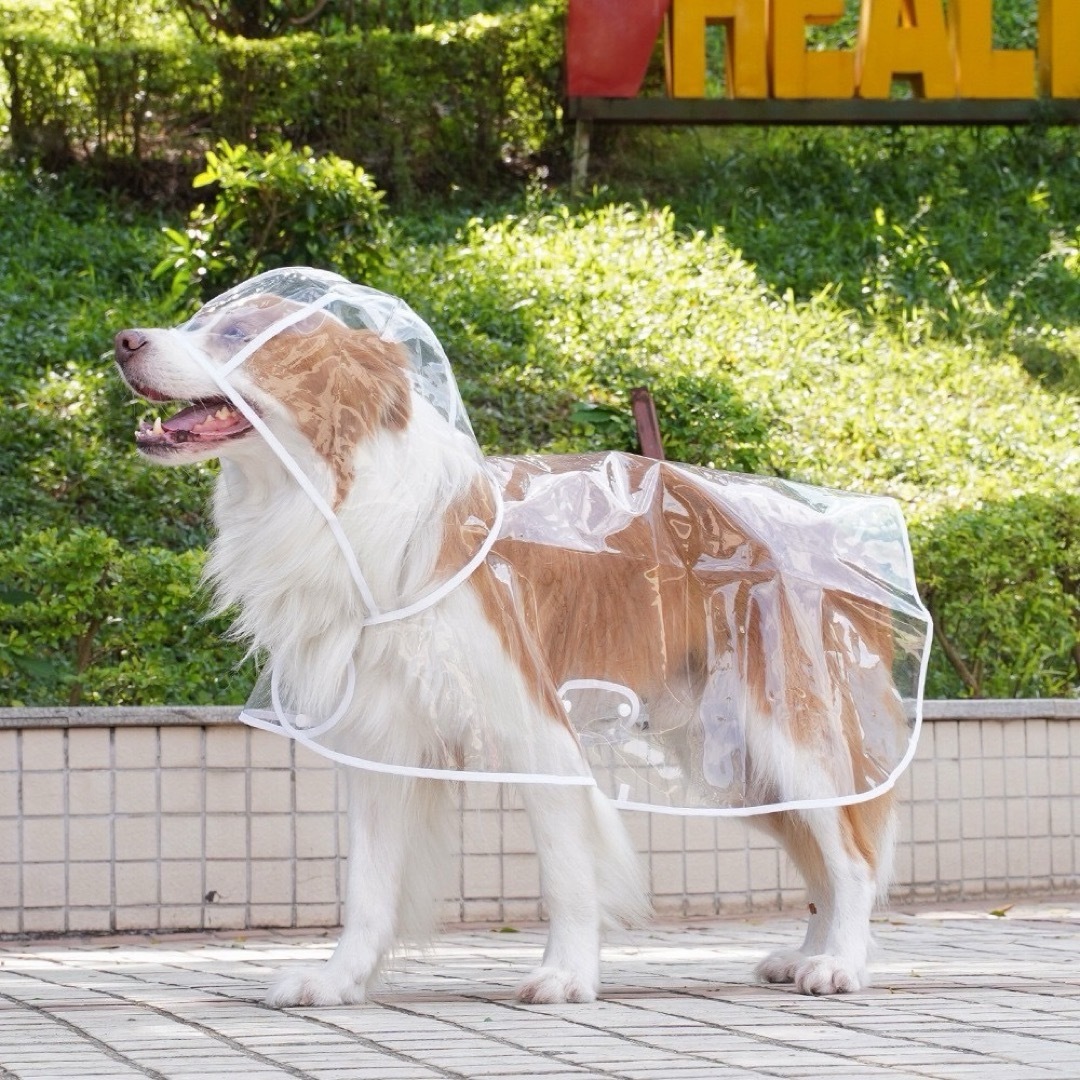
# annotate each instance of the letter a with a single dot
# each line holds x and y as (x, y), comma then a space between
(904, 39)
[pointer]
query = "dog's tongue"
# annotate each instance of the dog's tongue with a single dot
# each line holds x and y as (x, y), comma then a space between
(212, 418)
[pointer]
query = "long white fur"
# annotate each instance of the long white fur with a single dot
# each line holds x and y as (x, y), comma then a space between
(276, 561)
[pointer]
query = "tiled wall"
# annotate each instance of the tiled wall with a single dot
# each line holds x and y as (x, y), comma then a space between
(170, 819)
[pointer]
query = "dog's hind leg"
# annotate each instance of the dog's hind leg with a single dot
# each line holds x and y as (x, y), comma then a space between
(590, 877)
(391, 820)
(845, 857)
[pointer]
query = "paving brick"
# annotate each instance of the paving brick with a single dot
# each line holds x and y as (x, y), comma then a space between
(958, 994)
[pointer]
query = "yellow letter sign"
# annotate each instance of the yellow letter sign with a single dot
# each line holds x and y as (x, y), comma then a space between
(981, 70)
(797, 72)
(744, 28)
(904, 39)
(1059, 48)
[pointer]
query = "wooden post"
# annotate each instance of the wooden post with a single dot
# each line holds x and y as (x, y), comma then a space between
(648, 427)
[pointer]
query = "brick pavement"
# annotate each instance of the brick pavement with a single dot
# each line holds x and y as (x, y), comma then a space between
(958, 994)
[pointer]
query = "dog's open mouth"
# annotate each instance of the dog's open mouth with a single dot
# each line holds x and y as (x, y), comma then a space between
(203, 423)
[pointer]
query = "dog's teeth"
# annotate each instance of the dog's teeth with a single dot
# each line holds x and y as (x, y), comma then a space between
(158, 429)
(223, 413)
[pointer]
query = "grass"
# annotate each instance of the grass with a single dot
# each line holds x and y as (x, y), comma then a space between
(885, 311)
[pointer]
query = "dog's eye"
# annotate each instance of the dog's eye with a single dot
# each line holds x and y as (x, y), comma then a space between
(237, 333)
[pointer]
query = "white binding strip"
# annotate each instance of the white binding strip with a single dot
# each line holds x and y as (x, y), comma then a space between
(415, 771)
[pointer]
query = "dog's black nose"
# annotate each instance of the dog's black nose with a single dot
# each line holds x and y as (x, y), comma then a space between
(127, 343)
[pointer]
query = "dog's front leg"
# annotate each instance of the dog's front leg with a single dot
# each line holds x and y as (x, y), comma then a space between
(376, 865)
(563, 830)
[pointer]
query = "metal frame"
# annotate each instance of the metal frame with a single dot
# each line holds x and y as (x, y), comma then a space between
(825, 111)
(586, 111)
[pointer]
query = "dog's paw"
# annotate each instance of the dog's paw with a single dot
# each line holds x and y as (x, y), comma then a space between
(824, 974)
(555, 986)
(314, 986)
(780, 966)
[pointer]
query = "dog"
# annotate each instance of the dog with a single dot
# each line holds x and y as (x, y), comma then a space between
(499, 587)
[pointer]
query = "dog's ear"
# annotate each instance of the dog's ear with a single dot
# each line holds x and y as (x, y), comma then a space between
(342, 386)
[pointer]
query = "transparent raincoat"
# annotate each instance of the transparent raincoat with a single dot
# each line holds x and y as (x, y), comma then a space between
(686, 622)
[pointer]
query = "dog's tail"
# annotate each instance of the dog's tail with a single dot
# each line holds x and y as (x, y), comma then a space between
(620, 873)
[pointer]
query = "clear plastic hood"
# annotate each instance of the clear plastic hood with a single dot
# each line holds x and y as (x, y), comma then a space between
(304, 293)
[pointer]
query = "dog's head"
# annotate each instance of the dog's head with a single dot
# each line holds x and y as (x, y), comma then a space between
(261, 358)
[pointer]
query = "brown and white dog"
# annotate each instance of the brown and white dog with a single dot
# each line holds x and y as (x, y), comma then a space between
(411, 498)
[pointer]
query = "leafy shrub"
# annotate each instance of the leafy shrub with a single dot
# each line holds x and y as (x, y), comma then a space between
(1003, 583)
(281, 208)
(465, 103)
(86, 620)
(270, 18)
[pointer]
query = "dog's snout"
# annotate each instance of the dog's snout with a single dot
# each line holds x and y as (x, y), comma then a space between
(128, 343)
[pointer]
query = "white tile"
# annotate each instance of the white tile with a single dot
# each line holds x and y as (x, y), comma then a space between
(44, 920)
(90, 884)
(43, 793)
(136, 917)
(182, 791)
(316, 881)
(226, 791)
(181, 747)
(10, 884)
(1015, 739)
(227, 747)
(44, 884)
(89, 920)
(269, 751)
(482, 877)
(316, 836)
(521, 877)
(318, 914)
(43, 839)
(666, 873)
(136, 838)
(271, 791)
(90, 748)
(316, 790)
(136, 748)
(9, 751)
(226, 836)
(10, 853)
(228, 879)
(182, 883)
(43, 750)
(136, 791)
(1037, 740)
(701, 872)
(271, 836)
(182, 836)
(224, 917)
(181, 917)
(90, 792)
(137, 884)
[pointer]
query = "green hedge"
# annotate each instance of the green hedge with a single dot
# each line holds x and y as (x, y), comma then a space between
(457, 104)
(86, 620)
